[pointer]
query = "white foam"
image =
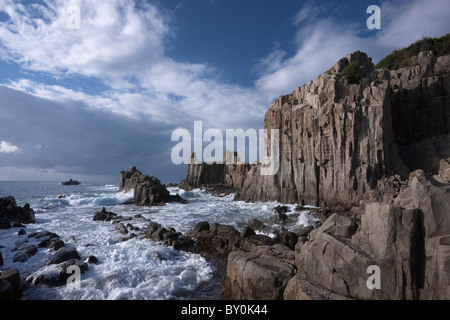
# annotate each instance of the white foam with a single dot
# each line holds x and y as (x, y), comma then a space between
(138, 268)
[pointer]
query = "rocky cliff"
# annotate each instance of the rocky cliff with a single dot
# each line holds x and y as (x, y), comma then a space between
(227, 176)
(380, 147)
(338, 141)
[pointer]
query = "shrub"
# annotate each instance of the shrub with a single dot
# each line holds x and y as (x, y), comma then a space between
(352, 72)
(402, 58)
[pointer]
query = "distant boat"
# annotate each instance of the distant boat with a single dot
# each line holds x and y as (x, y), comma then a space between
(70, 183)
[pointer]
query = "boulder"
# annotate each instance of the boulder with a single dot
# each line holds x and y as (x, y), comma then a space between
(148, 190)
(389, 237)
(257, 225)
(251, 276)
(199, 227)
(13, 277)
(122, 229)
(5, 225)
(6, 290)
(11, 212)
(24, 252)
(215, 243)
(91, 259)
(104, 215)
(63, 255)
(64, 274)
(299, 288)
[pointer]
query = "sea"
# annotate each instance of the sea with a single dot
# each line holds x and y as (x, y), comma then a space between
(137, 269)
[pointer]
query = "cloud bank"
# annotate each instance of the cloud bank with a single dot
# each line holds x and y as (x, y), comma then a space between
(62, 124)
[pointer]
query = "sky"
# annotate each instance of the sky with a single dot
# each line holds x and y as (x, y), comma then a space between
(89, 88)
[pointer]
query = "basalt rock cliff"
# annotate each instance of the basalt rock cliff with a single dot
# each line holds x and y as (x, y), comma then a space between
(380, 150)
(228, 176)
(339, 141)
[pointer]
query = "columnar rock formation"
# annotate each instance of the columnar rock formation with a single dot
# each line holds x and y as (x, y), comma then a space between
(228, 174)
(381, 148)
(339, 140)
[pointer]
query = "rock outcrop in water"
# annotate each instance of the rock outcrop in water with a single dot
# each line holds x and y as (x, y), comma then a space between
(148, 190)
(70, 183)
(11, 212)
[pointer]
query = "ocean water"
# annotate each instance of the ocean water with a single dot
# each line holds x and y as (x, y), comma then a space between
(137, 269)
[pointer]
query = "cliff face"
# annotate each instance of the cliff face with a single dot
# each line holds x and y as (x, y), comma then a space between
(229, 175)
(339, 140)
(385, 140)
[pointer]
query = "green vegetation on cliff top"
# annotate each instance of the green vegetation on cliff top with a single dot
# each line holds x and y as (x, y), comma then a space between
(352, 73)
(402, 58)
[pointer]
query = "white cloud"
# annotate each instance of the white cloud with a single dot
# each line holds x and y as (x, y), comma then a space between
(6, 147)
(112, 34)
(116, 43)
(322, 40)
(124, 48)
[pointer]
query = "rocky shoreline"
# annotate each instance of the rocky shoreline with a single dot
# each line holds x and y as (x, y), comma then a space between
(378, 152)
(326, 261)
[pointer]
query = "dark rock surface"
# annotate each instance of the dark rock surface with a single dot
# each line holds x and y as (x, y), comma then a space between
(64, 254)
(11, 212)
(148, 190)
(70, 183)
(219, 178)
(10, 285)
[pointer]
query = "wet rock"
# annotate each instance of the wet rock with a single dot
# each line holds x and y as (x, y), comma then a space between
(247, 231)
(257, 225)
(5, 225)
(21, 232)
(91, 259)
(148, 190)
(63, 255)
(104, 215)
(18, 225)
(24, 252)
(6, 290)
(122, 229)
(55, 245)
(21, 256)
(13, 277)
(199, 227)
(184, 243)
(289, 239)
(11, 212)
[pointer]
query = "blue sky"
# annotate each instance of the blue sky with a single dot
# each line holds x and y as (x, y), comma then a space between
(89, 102)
